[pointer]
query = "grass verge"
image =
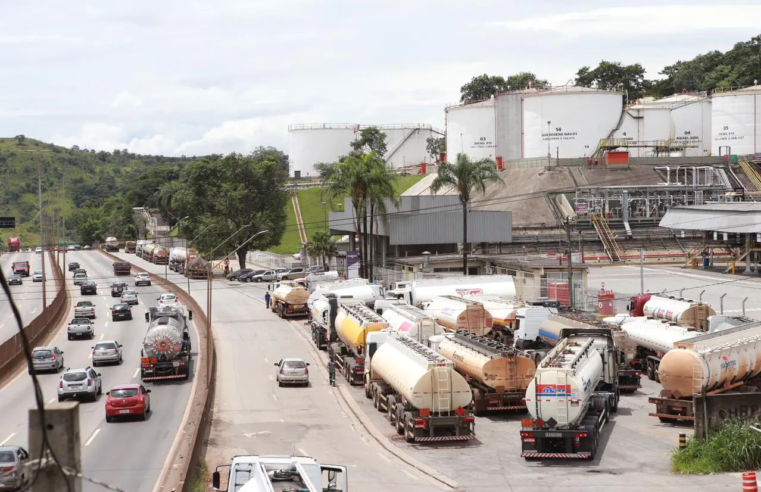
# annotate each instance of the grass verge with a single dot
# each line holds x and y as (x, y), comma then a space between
(733, 448)
(199, 479)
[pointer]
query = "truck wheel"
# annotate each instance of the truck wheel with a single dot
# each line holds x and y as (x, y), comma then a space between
(368, 390)
(399, 423)
(409, 432)
(614, 405)
(376, 401)
(657, 377)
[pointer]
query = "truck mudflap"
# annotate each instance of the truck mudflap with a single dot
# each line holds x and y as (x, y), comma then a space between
(445, 438)
(578, 456)
(629, 387)
(170, 370)
(499, 408)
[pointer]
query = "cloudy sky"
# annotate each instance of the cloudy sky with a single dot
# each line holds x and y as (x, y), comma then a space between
(194, 77)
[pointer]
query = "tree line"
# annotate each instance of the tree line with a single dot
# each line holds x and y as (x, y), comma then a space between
(736, 68)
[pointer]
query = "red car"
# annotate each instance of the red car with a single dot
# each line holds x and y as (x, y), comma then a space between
(128, 400)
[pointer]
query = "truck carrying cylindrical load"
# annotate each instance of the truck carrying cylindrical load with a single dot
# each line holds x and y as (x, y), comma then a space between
(313, 280)
(177, 257)
(196, 267)
(410, 321)
(457, 313)
(352, 323)
(710, 363)
(503, 313)
(148, 251)
(417, 292)
(418, 389)
(139, 245)
(129, 247)
(498, 374)
(352, 289)
(571, 397)
(111, 244)
(166, 344)
(290, 299)
(160, 255)
(683, 312)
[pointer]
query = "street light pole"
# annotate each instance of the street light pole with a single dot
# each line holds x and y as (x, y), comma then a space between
(42, 225)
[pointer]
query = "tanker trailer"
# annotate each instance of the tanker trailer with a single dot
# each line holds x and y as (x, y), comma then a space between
(129, 247)
(503, 313)
(410, 321)
(147, 253)
(166, 346)
(289, 299)
(111, 244)
(457, 313)
(707, 364)
(353, 321)
(683, 312)
(160, 256)
(571, 397)
(418, 389)
(420, 291)
(497, 373)
(177, 257)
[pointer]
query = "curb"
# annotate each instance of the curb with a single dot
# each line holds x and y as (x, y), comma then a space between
(370, 426)
(184, 450)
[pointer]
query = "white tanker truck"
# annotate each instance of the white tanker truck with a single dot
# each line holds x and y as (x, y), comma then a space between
(166, 345)
(684, 312)
(709, 363)
(425, 399)
(411, 321)
(289, 299)
(498, 374)
(571, 397)
(457, 313)
(177, 257)
(352, 323)
(417, 292)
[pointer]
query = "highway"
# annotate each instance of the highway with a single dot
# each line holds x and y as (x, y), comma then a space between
(28, 296)
(129, 454)
(252, 415)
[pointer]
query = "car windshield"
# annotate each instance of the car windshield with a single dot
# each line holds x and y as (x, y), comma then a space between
(41, 354)
(15, 276)
(128, 294)
(7, 457)
(80, 275)
(84, 304)
(80, 321)
(105, 346)
(259, 272)
(123, 393)
(120, 307)
(294, 364)
(89, 282)
(168, 297)
(38, 272)
(74, 376)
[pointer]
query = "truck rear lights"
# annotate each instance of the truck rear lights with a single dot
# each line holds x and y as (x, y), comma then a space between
(425, 412)
(420, 423)
(580, 435)
(527, 434)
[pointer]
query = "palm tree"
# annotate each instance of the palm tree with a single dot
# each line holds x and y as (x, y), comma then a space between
(322, 247)
(466, 177)
(380, 186)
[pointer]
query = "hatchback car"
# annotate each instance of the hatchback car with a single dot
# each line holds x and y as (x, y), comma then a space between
(86, 248)
(73, 265)
(38, 250)
(292, 371)
(13, 467)
(80, 278)
(121, 311)
(237, 273)
(76, 383)
(15, 279)
(117, 288)
(252, 276)
(107, 352)
(129, 297)
(37, 276)
(167, 300)
(47, 359)
(142, 278)
(89, 287)
(127, 400)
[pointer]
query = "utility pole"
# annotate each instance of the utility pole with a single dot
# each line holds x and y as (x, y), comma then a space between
(570, 262)
(641, 271)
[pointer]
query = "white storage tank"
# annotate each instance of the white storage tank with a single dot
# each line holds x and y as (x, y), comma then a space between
(736, 121)
(321, 142)
(470, 130)
(407, 144)
(566, 121)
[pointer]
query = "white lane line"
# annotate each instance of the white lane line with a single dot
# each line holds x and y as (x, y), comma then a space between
(7, 439)
(141, 302)
(101, 336)
(137, 371)
(34, 310)
(1, 326)
(304, 453)
(281, 420)
(90, 356)
(266, 361)
(105, 325)
(51, 400)
(409, 474)
(384, 457)
(105, 299)
(274, 397)
(97, 431)
(271, 378)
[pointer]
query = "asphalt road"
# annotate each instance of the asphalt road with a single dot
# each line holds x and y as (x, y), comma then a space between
(128, 454)
(252, 415)
(28, 297)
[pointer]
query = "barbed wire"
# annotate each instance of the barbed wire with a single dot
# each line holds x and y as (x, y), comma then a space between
(46, 462)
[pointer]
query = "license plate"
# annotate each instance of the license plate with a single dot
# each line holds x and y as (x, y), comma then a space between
(123, 411)
(553, 434)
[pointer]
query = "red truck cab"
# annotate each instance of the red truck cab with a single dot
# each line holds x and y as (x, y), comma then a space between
(21, 268)
(14, 244)
(636, 306)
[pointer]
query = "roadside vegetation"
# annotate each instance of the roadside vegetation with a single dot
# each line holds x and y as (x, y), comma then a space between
(733, 448)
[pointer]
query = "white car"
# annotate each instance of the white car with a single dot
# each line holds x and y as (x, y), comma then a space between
(37, 276)
(142, 278)
(38, 249)
(168, 300)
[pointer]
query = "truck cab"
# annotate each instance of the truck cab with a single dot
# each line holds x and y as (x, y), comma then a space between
(281, 472)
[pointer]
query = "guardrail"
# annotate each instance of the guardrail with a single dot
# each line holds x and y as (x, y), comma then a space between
(12, 350)
(188, 446)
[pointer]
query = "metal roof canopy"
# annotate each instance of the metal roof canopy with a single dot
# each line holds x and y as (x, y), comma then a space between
(742, 218)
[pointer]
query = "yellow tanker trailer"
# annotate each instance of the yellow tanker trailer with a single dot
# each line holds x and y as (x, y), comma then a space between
(354, 320)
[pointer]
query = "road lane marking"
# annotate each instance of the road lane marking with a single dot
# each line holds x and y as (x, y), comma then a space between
(266, 361)
(274, 397)
(105, 299)
(1, 326)
(271, 378)
(384, 457)
(302, 451)
(105, 325)
(7, 439)
(90, 356)
(97, 431)
(34, 310)
(281, 420)
(137, 371)
(101, 336)
(409, 474)
(51, 400)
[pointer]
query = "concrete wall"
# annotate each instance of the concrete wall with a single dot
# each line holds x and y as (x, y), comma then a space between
(720, 408)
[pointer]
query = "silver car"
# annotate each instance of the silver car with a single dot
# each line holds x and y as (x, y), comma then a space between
(292, 371)
(76, 383)
(129, 297)
(81, 327)
(107, 352)
(13, 467)
(47, 359)
(80, 278)
(273, 274)
(37, 276)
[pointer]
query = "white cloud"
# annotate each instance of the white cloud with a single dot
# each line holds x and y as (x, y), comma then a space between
(641, 20)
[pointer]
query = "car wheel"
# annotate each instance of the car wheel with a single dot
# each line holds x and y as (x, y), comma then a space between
(60, 398)
(94, 364)
(109, 419)
(259, 279)
(144, 416)
(69, 337)
(100, 389)
(120, 360)
(280, 383)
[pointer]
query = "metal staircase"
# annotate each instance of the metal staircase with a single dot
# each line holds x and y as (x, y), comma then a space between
(751, 172)
(606, 236)
(400, 143)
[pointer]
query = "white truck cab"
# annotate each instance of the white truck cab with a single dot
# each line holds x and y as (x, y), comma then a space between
(281, 472)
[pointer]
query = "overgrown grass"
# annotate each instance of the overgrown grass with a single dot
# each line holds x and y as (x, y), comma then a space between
(199, 478)
(313, 214)
(733, 448)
